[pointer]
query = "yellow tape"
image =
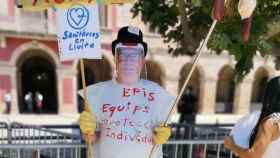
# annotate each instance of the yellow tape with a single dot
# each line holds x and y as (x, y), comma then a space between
(38, 5)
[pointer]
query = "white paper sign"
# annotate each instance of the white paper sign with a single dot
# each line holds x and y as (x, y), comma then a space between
(79, 32)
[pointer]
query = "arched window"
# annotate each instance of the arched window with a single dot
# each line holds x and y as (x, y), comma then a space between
(189, 103)
(36, 75)
(225, 91)
(258, 89)
(153, 72)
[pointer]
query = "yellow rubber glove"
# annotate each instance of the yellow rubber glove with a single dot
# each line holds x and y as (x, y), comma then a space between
(87, 123)
(161, 134)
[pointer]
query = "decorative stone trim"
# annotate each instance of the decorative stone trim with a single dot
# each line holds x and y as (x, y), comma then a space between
(17, 53)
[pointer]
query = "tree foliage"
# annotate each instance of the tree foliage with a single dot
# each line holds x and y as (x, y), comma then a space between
(184, 23)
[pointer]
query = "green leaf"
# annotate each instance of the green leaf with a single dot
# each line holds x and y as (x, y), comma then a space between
(163, 16)
(196, 3)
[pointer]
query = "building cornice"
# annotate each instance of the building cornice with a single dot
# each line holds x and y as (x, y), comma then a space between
(28, 35)
(40, 36)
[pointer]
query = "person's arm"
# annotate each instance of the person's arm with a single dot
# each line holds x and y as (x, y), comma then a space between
(263, 139)
(163, 105)
(88, 119)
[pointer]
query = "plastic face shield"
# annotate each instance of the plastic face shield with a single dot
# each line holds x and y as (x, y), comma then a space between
(131, 53)
(128, 57)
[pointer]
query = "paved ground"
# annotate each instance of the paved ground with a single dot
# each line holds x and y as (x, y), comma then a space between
(34, 119)
(40, 119)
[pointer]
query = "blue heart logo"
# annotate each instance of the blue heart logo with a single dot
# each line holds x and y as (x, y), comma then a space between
(78, 16)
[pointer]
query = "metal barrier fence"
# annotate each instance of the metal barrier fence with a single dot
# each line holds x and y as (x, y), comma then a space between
(3, 133)
(197, 141)
(196, 149)
(199, 132)
(29, 141)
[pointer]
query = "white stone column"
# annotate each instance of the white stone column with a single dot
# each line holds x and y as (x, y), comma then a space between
(59, 79)
(14, 91)
(242, 97)
(207, 98)
(9, 70)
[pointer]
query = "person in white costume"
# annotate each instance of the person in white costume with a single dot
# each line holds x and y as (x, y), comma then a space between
(127, 111)
(258, 135)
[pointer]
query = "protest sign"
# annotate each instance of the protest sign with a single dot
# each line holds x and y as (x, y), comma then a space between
(79, 32)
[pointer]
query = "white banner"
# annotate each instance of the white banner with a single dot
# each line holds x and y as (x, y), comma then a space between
(79, 32)
(39, 5)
